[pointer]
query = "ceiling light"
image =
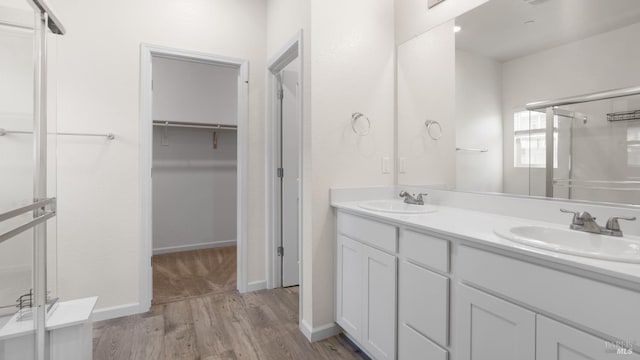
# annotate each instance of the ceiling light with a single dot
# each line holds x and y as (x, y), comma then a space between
(456, 29)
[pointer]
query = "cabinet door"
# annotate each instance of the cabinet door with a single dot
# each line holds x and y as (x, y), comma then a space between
(350, 288)
(556, 341)
(380, 304)
(493, 329)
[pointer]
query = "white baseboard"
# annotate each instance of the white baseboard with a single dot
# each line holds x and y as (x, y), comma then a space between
(206, 245)
(117, 311)
(256, 285)
(320, 332)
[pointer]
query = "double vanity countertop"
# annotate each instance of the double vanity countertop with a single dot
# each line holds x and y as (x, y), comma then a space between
(479, 228)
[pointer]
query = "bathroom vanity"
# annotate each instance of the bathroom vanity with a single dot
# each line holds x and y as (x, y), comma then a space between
(443, 285)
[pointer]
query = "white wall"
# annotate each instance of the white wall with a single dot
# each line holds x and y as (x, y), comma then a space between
(194, 92)
(352, 70)
(478, 122)
(194, 189)
(426, 91)
(99, 63)
(602, 62)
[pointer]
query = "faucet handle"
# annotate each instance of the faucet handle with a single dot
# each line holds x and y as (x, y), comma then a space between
(577, 219)
(612, 223)
(420, 196)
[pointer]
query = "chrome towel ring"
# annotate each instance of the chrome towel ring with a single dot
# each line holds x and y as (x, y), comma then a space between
(354, 119)
(434, 129)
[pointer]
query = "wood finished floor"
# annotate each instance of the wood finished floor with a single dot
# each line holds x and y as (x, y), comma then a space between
(201, 318)
(187, 274)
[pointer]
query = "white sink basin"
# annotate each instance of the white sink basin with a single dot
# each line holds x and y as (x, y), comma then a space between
(397, 207)
(622, 249)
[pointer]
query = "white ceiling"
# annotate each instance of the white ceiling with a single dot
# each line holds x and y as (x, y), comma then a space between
(498, 29)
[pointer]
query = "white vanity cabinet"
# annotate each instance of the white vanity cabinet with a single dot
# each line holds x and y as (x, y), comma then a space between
(410, 294)
(366, 284)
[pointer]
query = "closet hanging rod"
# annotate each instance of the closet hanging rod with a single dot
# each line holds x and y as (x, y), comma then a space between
(195, 126)
(4, 132)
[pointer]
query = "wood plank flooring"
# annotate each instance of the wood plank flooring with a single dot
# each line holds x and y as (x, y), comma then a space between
(205, 318)
(182, 275)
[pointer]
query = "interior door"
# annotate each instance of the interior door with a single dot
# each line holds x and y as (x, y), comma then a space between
(290, 163)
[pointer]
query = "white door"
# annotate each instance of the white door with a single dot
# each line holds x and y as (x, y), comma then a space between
(556, 341)
(290, 164)
(350, 286)
(380, 304)
(494, 329)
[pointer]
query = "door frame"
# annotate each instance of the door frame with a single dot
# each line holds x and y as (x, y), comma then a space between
(147, 52)
(292, 51)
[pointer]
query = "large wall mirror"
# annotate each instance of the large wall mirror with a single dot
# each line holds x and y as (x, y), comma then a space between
(464, 86)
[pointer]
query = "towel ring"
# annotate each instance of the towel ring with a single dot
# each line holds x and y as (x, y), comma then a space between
(354, 118)
(430, 126)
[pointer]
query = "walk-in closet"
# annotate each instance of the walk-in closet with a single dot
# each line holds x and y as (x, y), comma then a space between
(194, 177)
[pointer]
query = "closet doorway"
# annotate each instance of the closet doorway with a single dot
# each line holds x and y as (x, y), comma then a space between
(193, 113)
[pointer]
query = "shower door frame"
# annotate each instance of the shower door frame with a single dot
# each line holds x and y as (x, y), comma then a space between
(43, 208)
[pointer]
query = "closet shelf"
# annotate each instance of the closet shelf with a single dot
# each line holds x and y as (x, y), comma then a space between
(194, 125)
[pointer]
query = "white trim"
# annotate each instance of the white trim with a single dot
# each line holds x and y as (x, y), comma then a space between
(147, 51)
(320, 332)
(257, 285)
(292, 51)
(117, 311)
(205, 245)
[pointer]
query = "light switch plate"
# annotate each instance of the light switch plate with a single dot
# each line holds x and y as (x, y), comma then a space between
(386, 167)
(402, 165)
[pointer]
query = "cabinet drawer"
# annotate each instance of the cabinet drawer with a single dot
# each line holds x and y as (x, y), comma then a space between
(370, 232)
(424, 302)
(425, 250)
(603, 307)
(413, 346)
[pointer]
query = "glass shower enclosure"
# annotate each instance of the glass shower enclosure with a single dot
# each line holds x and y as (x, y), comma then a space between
(592, 147)
(28, 172)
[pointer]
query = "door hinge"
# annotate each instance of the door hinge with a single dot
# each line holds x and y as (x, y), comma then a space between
(280, 94)
(280, 172)
(280, 251)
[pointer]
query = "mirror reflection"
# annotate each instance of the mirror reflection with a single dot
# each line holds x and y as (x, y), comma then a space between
(475, 77)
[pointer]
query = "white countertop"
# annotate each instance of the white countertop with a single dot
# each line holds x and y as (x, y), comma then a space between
(64, 314)
(478, 227)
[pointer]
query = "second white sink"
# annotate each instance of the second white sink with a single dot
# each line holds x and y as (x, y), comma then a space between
(622, 249)
(397, 207)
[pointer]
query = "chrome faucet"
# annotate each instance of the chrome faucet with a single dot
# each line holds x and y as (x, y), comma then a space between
(412, 199)
(583, 221)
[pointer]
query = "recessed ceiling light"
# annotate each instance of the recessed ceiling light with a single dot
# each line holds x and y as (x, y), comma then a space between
(456, 29)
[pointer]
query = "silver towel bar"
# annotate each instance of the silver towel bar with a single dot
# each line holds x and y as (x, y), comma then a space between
(4, 132)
